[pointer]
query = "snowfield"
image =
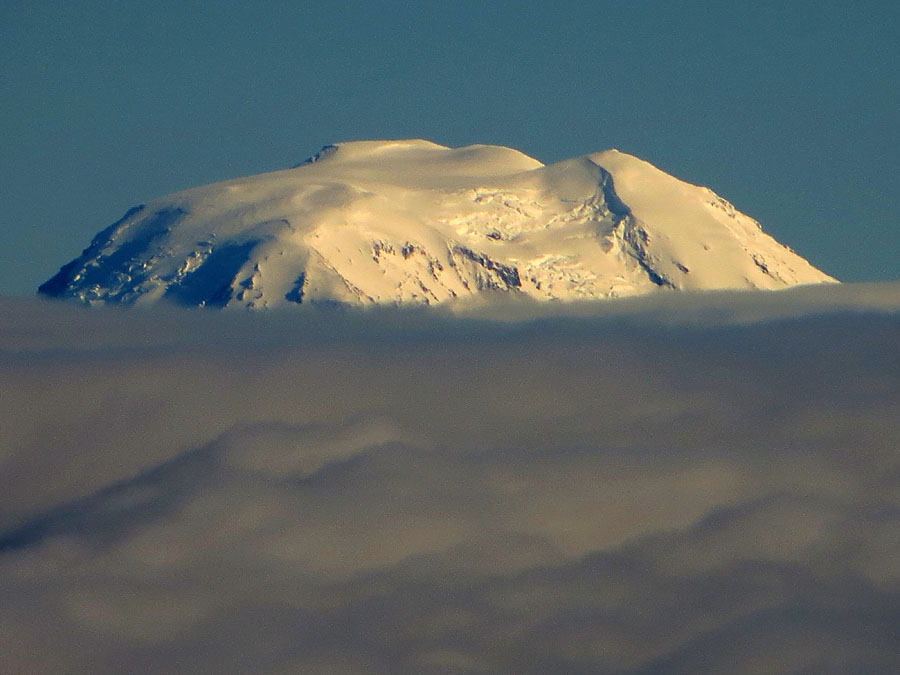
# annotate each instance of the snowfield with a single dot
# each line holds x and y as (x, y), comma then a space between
(398, 222)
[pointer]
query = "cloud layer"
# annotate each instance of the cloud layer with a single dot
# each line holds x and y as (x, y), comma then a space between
(710, 485)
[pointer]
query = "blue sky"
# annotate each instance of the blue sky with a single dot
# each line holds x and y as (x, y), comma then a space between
(789, 110)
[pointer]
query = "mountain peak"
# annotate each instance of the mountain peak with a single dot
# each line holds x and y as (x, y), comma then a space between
(411, 221)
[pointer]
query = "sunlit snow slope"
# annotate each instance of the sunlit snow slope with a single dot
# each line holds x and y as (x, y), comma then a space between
(416, 222)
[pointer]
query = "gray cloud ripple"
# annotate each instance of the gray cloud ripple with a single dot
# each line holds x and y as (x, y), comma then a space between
(707, 486)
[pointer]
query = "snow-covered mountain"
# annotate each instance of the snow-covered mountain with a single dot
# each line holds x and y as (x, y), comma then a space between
(416, 222)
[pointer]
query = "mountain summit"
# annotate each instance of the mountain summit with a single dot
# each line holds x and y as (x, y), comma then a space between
(416, 222)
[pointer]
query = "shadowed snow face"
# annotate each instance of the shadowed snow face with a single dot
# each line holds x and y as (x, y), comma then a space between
(617, 492)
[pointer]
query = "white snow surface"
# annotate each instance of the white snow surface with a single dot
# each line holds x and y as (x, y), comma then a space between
(397, 222)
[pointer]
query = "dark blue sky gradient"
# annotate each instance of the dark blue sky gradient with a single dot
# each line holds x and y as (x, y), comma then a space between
(791, 110)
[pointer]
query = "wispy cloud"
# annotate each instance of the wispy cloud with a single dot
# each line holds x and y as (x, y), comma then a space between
(709, 485)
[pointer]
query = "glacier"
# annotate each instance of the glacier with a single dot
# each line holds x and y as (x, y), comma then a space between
(414, 222)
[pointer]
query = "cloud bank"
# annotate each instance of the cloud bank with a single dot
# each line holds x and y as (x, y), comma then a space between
(704, 485)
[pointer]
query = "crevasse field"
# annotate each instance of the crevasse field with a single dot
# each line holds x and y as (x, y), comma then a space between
(689, 484)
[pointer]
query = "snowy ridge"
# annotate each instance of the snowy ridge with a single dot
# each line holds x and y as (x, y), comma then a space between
(415, 222)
